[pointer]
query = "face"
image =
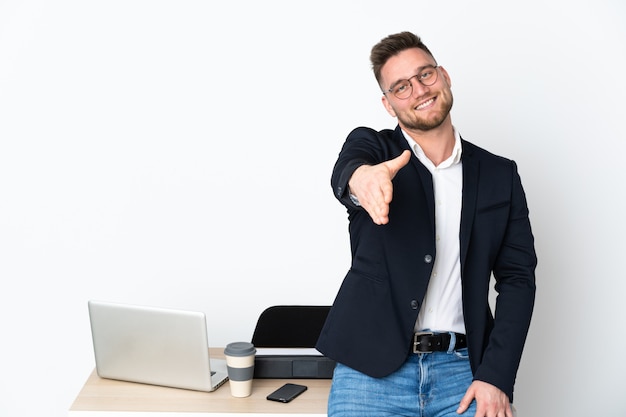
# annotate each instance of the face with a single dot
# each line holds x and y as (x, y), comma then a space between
(428, 106)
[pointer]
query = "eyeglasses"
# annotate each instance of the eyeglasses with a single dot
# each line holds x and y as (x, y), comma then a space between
(404, 88)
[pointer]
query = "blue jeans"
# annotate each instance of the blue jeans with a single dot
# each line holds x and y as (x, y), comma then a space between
(427, 385)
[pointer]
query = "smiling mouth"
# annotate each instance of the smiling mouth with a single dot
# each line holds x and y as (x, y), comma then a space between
(425, 104)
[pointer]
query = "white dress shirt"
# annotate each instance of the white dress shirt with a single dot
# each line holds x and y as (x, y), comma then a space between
(442, 309)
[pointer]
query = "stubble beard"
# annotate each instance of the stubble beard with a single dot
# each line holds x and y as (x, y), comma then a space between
(422, 124)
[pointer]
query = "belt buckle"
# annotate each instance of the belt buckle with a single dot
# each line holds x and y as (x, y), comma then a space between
(417, 343)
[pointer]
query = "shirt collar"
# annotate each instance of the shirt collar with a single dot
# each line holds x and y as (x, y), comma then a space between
(454, 158)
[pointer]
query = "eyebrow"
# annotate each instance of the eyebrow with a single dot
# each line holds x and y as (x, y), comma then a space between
(419, 70)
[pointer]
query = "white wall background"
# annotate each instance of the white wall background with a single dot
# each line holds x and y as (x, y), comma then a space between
(178, 153)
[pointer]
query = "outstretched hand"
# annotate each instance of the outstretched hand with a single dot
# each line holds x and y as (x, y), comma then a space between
(372, 186)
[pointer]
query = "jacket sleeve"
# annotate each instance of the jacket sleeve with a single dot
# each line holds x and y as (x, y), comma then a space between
(514, 274)
(363, 146)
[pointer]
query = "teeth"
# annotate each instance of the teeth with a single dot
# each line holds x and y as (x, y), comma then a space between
(425, 104)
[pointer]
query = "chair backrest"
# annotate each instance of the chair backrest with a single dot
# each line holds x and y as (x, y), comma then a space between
(290, 326)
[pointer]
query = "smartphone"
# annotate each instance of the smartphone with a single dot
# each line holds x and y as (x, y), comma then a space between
(287, 392)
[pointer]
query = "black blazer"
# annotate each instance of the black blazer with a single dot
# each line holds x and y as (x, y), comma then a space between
(370, 325)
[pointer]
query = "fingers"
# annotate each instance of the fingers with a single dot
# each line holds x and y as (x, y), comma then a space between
(465, 401)
(372, 186)
(378, 206)
(490, 401)
(374, 198)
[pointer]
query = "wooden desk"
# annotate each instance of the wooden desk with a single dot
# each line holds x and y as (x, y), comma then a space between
(104, 397)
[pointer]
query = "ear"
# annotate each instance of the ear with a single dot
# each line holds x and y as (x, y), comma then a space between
(445, 75)
(388, 106)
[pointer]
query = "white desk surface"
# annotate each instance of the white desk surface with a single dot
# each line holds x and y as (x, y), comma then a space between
(104, 397)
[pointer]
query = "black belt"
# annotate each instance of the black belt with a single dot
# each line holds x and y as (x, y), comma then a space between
(425, 342)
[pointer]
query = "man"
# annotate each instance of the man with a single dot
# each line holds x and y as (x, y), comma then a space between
(431, 218)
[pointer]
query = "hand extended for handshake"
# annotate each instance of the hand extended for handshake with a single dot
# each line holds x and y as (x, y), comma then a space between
(372, 186)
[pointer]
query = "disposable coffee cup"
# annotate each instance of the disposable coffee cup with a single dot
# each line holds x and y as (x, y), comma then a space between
(240, 366)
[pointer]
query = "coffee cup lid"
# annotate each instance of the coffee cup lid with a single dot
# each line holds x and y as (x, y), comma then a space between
(239, 349)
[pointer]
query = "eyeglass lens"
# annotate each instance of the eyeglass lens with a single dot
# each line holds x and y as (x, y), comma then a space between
(403, 89)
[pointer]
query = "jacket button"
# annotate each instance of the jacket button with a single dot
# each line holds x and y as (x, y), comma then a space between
(428, 259)
(414, 304)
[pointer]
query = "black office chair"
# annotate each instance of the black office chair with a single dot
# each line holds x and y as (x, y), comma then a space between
(289, 326)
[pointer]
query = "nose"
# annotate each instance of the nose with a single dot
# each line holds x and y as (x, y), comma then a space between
(417, 88)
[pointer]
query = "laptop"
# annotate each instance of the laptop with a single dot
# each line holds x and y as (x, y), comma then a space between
(152, 345)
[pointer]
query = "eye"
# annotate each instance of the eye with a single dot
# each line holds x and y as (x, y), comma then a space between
(426, 74)
(401, 87)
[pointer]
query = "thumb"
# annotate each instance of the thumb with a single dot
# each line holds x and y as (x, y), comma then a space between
(394, 165)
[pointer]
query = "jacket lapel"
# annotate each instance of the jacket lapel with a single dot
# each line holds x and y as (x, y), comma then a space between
(470, 193)
(426, 179)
